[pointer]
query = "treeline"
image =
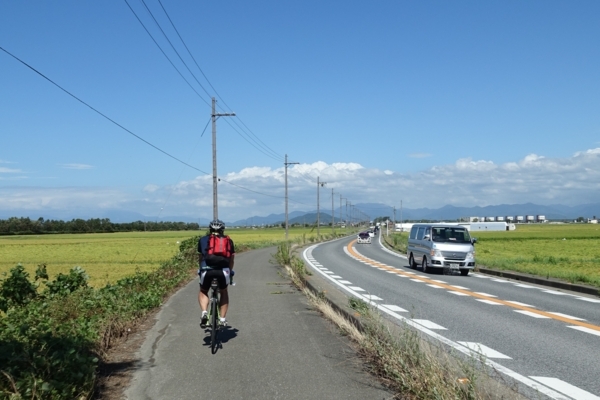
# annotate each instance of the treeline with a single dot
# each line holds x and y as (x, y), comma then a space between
(25, 226)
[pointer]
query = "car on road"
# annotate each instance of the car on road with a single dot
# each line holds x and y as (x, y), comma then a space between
(441, 246)
(364, 237)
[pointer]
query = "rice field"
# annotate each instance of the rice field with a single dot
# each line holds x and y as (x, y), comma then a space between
(107, 257)
(565, 251)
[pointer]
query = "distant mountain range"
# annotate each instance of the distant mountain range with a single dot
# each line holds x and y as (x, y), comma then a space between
(373, 210)
(446, 213)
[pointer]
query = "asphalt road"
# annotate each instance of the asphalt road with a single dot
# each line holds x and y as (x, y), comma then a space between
(277, 346)
(547, 340)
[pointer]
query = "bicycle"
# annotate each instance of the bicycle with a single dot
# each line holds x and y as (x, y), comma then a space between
(214, 315)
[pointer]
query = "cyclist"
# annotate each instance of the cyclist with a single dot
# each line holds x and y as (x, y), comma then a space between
(214, 266)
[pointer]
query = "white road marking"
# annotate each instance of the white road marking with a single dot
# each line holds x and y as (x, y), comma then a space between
(417, 280)
(480, 276)
(531, 314)
(520, 304)
(484, 350)
(336, 276)
(489, 302)
(356, 288)
(499, 280)
(408, 272)
(524, 286)
(458, 293)
(553, 394)
(459, 287)
(394, 308)
(346, 282)
(429, 324)
(486, 294)
(390, 272)
(565, 388)
(586, 330)
(329, 272)
(434, 286)
(372, 297)
(438, 281)
(554, 292)
(588, 299)
(566, 316)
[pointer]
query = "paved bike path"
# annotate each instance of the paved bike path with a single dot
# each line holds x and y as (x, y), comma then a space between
(276, 347)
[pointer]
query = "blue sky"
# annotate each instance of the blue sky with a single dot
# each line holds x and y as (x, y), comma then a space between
(432, 103)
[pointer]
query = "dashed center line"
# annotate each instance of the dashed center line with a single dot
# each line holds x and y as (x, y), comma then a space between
(465, 292)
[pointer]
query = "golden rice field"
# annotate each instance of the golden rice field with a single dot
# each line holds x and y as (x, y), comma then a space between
(566, 251)
(107, 257)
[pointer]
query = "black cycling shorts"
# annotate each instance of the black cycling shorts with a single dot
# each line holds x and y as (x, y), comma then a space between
(221, 275)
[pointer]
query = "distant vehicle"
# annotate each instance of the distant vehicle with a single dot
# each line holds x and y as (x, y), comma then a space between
(441, 246)
(371, 233)
(364, 237)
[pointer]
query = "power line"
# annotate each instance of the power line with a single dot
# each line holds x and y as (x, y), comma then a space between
(256, 139)
(174, 49)
(162, 51)
(98, 112)
(130, 132)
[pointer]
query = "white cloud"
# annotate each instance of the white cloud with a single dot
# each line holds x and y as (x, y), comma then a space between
(260, 190)
(10, 171)
(75, 166)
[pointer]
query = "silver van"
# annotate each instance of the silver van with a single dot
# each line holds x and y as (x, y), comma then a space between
(438, 246)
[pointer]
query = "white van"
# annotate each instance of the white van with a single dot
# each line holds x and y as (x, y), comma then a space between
(441, 246)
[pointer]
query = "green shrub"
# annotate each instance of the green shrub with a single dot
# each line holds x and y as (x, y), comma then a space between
(16, 290)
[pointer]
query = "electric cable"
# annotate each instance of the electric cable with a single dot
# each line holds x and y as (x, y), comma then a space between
(260, 142)
(130, 132)
(168, 59)
(100, 113)
(173, 47)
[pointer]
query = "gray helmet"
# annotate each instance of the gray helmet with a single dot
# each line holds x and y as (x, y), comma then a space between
(216, 225)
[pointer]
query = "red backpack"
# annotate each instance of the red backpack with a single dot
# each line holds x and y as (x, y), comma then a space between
(219, 246)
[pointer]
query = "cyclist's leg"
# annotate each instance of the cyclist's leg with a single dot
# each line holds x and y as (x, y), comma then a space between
(223, 282)
(203, 293)
(224, 305)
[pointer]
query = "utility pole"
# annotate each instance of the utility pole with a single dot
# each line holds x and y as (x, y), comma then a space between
(341, 223)
(332, 214)
(286, 196)
(346, 212)
(401, 226)
(214, 116)
(319, 184)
